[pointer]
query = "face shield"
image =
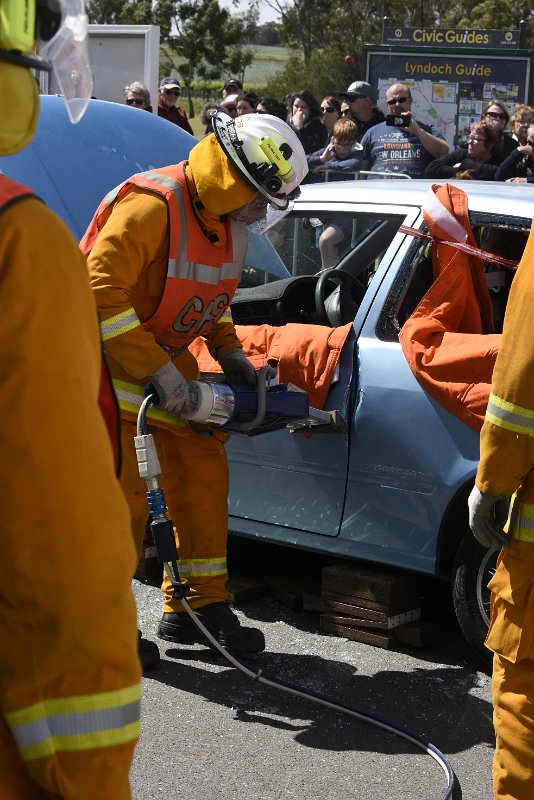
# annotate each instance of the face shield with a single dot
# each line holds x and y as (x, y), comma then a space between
(68, 53)
(50, 35)
(272, 217)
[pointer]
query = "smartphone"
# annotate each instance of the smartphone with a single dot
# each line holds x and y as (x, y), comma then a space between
(396, 120)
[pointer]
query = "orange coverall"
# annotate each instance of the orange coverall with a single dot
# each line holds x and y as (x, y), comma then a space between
(507, 468)
(69, 671)
(128, 266)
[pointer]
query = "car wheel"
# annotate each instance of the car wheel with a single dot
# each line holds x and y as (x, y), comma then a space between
(474, 566)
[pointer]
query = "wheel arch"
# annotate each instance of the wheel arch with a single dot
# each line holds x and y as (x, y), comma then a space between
(452, 531)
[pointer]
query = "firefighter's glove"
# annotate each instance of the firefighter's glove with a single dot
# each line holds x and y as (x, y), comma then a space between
(237, 368)
(171, 387)
(487, 514)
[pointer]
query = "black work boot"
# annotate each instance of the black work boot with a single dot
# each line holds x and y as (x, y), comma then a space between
(148, 652)
(221, 622)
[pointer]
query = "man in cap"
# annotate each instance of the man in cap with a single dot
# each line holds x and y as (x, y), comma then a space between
(168, 93)
(232, 86)
(361, 98)
(69, 671)
(165, 254)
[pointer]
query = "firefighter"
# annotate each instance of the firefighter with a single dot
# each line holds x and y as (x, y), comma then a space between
(165, 251)
(507, 469)
(69, 672)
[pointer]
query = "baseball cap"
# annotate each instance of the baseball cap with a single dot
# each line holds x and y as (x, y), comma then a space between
(359, 89)
(169, 83)
(233, 82)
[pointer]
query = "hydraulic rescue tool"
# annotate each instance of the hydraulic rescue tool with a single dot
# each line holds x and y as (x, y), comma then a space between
(246, 410)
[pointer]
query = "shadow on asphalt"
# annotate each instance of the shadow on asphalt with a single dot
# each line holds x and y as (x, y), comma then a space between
(433, 702)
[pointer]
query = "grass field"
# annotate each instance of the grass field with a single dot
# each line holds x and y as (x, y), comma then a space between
(267, 61)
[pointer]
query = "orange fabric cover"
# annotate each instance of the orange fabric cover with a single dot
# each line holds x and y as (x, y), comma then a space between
(306, 355)
(442, 339)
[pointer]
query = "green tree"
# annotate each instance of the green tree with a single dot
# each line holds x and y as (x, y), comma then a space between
(201, 38)
(105, 12)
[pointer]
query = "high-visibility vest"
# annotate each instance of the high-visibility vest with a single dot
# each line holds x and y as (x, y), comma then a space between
(10, 193)
(201, 279)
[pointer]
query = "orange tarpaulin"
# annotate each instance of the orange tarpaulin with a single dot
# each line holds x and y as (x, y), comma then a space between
(447, 341)
(306, 355)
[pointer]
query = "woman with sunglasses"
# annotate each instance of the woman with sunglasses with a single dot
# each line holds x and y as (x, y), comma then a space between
(137, 95)
(496, 114)
(168, 93)
(330, 113)
(519, 166)
(478, 161)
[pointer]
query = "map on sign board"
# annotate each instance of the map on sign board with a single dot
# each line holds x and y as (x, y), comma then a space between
(451, 107)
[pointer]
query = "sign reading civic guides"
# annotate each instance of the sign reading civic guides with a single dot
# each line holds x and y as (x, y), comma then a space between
(450, 37)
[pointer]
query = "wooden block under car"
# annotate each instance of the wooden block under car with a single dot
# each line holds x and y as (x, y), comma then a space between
(313, 602)
(242, 589)
(383, 639)
(289, 589)
(417, 634)
(386, 623)
(375, 586)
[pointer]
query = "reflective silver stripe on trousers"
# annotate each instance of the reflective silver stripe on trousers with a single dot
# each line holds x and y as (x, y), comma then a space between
(86, 722)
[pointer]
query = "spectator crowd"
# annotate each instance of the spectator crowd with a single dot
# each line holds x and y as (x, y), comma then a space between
(388, 142)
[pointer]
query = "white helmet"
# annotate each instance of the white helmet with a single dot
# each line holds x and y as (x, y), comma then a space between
(266, 151)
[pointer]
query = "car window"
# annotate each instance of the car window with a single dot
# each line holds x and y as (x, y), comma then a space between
(297, 245)
(505, 238)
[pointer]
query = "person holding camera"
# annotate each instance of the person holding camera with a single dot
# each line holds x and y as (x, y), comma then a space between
(401, 144)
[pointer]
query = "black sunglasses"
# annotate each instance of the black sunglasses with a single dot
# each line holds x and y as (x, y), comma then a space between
(175, 92)
(397, 100)
(496, 115)
(130, 101)
(327, 109)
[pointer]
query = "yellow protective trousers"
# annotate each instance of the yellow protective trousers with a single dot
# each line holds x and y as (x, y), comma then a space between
(195, 481)
(511, 637)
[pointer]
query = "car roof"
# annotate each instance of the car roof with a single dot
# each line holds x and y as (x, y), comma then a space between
(72, 167)
(490, 196)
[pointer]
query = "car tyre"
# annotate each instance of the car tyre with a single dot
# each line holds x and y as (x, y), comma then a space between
(474, 566)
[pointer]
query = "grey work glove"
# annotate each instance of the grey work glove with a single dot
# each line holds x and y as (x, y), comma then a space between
(482, 518)
(237, 368)
(172, 389)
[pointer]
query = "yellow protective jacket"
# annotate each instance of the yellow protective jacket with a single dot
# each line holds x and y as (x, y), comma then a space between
(69, 672)
(507, 468)
(159, 282)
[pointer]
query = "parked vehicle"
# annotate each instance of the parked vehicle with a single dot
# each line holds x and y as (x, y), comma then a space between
(390, 485)
(390, 488)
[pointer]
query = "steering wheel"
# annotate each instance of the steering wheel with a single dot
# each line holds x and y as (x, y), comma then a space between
(339, 306)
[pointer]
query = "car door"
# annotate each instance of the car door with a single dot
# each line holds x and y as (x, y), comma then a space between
(292, 487)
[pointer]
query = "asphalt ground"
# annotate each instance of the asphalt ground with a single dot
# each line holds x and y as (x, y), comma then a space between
(208, 731)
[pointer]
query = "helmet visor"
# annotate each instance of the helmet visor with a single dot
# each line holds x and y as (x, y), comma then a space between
(273, 216)
(68, 53)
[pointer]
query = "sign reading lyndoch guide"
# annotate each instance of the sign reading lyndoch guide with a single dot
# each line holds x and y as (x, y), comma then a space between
(451, 73)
